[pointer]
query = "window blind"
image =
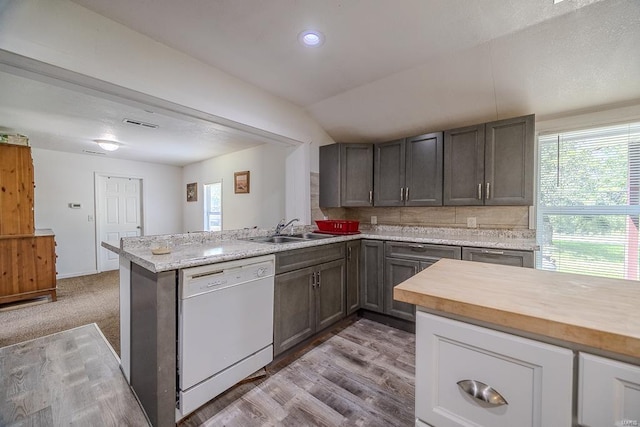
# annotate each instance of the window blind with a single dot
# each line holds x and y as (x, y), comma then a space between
(588, 201)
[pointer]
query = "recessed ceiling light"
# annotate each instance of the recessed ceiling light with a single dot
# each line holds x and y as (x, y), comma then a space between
(311, 38)
(107, 145)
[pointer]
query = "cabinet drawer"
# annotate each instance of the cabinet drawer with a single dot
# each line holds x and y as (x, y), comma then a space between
(535, 379)
(608, 392)
(421, 251)
(301, 258)
(499, 256)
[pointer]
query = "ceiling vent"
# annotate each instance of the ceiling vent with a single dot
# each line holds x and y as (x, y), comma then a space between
(139, 123)
(95, 153)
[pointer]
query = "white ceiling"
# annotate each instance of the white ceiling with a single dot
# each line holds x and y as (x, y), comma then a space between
(64, 119)
(388, 68)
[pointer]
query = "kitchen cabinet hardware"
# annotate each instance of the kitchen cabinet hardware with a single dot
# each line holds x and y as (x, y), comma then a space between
(313, 280)
(480, 191)
(349, 253)
(318, 280)
(487, 251)
(406, 194)
(401, 194)
(371, 197)
(488, 191)
(482, 392)
(416, 246)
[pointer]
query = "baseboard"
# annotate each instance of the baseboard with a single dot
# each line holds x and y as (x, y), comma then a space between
(69, 275)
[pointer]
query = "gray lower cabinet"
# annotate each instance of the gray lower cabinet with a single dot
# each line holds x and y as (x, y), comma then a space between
(403, 260)
(346, 175)
(309, 294)
(353, 276)
(499, 256)
(490, 164)
(372, 275)
(408, 172)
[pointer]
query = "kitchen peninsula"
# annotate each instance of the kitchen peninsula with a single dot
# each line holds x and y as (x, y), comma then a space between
(150, 287)
(530, 343)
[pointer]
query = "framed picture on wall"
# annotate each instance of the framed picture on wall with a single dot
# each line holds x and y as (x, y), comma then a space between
(192, 192)
(241, 182)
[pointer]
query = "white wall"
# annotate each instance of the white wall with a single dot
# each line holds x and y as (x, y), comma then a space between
(263, 207)
(62, 178)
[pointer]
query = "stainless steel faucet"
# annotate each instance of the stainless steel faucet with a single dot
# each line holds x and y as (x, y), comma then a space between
(282, 226)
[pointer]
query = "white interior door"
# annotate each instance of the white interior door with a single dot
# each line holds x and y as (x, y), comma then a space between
(119, 215)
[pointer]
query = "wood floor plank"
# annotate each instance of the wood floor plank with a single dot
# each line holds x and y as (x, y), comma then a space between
(364, 375)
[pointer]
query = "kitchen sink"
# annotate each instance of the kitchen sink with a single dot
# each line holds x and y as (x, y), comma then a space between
(288, 238)
(312, 236)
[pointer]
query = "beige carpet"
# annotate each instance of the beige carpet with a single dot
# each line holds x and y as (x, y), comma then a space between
(81, 300)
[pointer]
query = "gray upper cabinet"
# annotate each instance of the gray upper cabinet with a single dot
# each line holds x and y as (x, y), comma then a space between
(346, 175)
(423, 173)
(490, 164)
(389, 173)
(408, 172)
(463, 166)
(508, 159)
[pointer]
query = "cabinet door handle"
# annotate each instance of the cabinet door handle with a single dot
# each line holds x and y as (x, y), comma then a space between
(318, 282)
(480, 391)
(480, 191)
(370, 197)
(415, 269)
(313, 279)
(488, 192)
(406, 194)
(349, 253)
(401, 194)
(487, 251)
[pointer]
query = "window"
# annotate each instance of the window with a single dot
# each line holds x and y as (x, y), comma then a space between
(213, 206)
(587, 208)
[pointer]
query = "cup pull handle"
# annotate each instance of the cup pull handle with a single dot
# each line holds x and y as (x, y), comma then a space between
(480, 391)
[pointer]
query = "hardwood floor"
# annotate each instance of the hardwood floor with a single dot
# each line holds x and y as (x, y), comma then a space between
(362, 375)
(70, 378)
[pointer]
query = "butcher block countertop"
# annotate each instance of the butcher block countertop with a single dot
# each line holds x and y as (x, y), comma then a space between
(590, 311)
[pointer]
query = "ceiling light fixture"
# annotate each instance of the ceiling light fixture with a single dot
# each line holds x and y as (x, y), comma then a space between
(311, 38)
(107, 145)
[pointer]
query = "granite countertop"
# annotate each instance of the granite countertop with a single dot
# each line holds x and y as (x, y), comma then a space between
(194, 249)
(596, 312)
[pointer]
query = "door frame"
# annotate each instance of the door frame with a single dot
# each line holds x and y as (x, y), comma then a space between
(98, 206)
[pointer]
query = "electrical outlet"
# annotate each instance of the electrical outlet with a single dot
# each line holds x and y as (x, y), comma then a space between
(471, 222)
(374, 219)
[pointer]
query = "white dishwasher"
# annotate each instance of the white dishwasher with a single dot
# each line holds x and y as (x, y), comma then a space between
(225, 327)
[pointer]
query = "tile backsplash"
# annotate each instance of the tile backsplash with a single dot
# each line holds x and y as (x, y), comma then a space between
(510, 217)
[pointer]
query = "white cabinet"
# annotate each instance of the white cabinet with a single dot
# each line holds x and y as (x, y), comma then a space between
(534, 379)
(608, 392)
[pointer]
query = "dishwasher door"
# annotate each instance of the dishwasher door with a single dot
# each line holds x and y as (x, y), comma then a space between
(229, 322)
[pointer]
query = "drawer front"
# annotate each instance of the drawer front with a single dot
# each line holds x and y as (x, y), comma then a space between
(301, 258)
(608, 392)
(421, 251)
(535, 379)
(499, 256)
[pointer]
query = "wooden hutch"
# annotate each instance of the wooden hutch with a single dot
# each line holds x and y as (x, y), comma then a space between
(27, 256)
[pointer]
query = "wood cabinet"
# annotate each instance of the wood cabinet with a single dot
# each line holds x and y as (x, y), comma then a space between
(353, 276)
(490, 164)
(309, 293)
(372, 276)
(27, 256)
(16, 195)
(534, 379)
(499, 256)
(346, 175)
(403, 260)
(27, 267)
(608, 392)
(408, 172)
